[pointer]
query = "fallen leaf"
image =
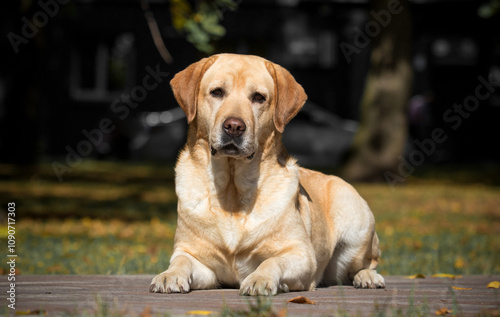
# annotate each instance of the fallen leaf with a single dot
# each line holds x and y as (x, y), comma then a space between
(301, 300)
(146, 312)
(37, 312)
(200, 312)
(416, 276)
(282, 313)
(492, 312)
(462, 288)
(55, 268)
(444, 275)
(443, 311)
(494, 284)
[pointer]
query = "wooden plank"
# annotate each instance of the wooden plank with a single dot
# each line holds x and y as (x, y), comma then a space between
(128, 294)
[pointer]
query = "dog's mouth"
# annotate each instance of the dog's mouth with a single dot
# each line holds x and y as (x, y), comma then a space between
(230, 150)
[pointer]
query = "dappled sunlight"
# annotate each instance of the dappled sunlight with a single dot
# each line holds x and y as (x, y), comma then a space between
(437, 228)
(93, 224)
(94, 246)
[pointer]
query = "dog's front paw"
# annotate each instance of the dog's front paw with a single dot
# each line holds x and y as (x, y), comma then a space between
(167, 282)
(368, 279)
(261, 285)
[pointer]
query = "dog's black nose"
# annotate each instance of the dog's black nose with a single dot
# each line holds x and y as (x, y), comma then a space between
(234, 127)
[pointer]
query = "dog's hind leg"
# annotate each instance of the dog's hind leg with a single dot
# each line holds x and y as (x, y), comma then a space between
(367, 276)
(355, 264)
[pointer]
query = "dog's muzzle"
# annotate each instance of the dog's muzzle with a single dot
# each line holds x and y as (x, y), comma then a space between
(231, 141)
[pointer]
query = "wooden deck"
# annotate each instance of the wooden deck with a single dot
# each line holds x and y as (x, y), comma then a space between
(128, 295)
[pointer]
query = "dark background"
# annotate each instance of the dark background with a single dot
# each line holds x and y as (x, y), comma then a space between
(67, 76)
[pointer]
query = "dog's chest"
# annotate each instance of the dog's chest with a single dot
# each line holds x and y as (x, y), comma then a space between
(233, 230)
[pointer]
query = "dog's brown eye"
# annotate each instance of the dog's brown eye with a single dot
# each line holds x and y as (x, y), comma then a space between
(258, 98)
(217, 92)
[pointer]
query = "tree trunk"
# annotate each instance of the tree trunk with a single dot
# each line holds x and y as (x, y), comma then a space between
(383, 126)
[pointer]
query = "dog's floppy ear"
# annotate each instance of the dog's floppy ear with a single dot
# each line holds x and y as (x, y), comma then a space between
(186, 85)
(289, 95)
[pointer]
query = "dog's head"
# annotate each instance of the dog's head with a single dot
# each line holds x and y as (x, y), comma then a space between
(236, 101)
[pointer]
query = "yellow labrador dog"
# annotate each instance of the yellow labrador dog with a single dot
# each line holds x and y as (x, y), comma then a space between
(248, 215)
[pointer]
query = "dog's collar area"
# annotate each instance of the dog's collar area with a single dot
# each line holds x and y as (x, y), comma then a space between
(214, 151)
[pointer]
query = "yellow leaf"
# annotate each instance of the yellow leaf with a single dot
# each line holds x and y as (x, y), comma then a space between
(197, 17)
(444, 275)
(462, 288)
(443, 311)
(301, 300)
(416, 276)
(459, 263)
(200, 312)
(494, 284)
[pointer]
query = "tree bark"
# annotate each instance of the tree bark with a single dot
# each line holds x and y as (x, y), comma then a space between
(383, 126)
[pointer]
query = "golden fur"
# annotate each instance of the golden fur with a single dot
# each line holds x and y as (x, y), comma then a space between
(248, 215)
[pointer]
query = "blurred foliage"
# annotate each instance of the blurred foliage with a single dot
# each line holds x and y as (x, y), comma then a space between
(202, 23)
(116, 218)
(490, 9)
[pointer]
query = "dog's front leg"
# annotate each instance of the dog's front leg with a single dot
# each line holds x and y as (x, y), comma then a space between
(281, 274)
(184, 274)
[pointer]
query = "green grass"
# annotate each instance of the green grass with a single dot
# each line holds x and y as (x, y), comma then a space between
(93, 246)
(116, 218)
(430, 227)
